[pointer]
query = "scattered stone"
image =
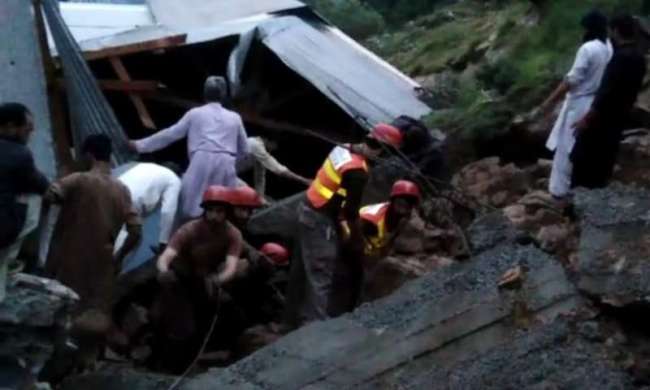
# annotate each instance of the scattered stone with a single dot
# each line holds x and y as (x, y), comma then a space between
(513, 278)
(492, 183)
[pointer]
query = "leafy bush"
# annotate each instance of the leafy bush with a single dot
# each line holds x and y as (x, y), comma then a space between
(356, 19)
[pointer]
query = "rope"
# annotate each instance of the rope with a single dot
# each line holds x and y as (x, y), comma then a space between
(208, 335)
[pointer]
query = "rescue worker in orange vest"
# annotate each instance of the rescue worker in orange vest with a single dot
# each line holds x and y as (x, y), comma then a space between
(381, 224)
(333, 200)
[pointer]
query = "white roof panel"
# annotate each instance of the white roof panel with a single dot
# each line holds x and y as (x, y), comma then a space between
(196, 14)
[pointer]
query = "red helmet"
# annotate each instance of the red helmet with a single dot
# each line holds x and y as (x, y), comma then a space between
(406, 188)
(278, 254)
(387, 134)
(217, 194)
(245, 196)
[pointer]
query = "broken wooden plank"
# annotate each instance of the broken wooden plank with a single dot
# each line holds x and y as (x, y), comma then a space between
(131, 86)
(123, 74)
(156, 44)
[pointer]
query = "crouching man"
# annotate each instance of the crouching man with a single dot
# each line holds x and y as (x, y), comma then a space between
(381, 224)
(200, 257)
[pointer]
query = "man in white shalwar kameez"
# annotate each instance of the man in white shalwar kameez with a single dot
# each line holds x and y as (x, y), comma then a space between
(578, 88)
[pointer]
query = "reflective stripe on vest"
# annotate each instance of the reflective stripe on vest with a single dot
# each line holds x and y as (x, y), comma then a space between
(329, 177)
(376, 214)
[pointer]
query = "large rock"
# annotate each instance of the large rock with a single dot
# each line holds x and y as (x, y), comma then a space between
(547, 221)
(496, 184)
(634, 160)
(491, 230)
(614, 251)
(445, 317)
(32, 324)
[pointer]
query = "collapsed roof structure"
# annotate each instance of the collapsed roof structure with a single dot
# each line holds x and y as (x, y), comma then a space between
(287, 67)
(129, 67)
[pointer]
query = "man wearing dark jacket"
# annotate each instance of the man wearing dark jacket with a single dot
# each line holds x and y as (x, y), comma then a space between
(598, 134)
(21, 184)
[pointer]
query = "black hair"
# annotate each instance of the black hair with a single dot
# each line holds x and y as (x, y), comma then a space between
(595, 24)
(625, 25)
(13, 113)
(99, 146)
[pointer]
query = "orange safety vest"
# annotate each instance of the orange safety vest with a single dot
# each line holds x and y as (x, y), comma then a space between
(376, 214)
(329, 177)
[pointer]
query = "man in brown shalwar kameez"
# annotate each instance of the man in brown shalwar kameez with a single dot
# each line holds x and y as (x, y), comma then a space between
(94, 207)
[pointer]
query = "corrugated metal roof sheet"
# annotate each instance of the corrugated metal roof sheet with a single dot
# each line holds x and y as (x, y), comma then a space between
(106, 1)
(196, 14)
(363, 85)
(89, 109)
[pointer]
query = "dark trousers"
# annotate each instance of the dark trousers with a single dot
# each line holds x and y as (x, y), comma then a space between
(314, 254)
(347, 282)
(594, 156)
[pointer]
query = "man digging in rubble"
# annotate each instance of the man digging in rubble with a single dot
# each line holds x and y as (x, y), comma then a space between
(200, 258)
(153, 187)
(94, 207)
(332, 201)
(381, 224)
(215, 139)
(252, 292)
(21, 185)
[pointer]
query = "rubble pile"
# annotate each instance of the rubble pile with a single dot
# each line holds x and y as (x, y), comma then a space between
(499, 185)
(462, 326)
(33, 323)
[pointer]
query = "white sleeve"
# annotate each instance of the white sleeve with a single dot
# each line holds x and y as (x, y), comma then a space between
(266, 159)
(580, 67)
(168, 209)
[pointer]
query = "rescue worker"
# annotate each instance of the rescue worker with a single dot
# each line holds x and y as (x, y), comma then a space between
(153, 188)
(244, 201)
(93, 208)
(381, 224)
(332, 200)
(21, 185)
(200, 258)
(215, 139)
(253, 291)
(259, 160)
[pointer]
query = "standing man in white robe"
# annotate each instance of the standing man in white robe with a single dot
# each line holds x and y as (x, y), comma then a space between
(578, 89)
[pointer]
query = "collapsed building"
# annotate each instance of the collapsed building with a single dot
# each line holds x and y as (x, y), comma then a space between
(292, 76)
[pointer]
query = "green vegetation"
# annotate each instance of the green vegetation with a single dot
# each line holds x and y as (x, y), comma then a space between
(499, 58)
(355, 18)
(505, 55)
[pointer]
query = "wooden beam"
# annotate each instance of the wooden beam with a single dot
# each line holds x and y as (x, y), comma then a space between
(156, 44)
(249, 116)
(133, 86)
(123, 75)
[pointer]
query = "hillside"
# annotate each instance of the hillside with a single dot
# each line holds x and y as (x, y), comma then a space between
(481, 62)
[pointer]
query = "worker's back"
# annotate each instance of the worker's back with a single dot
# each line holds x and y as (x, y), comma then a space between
(94, 207)
(214, 128)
